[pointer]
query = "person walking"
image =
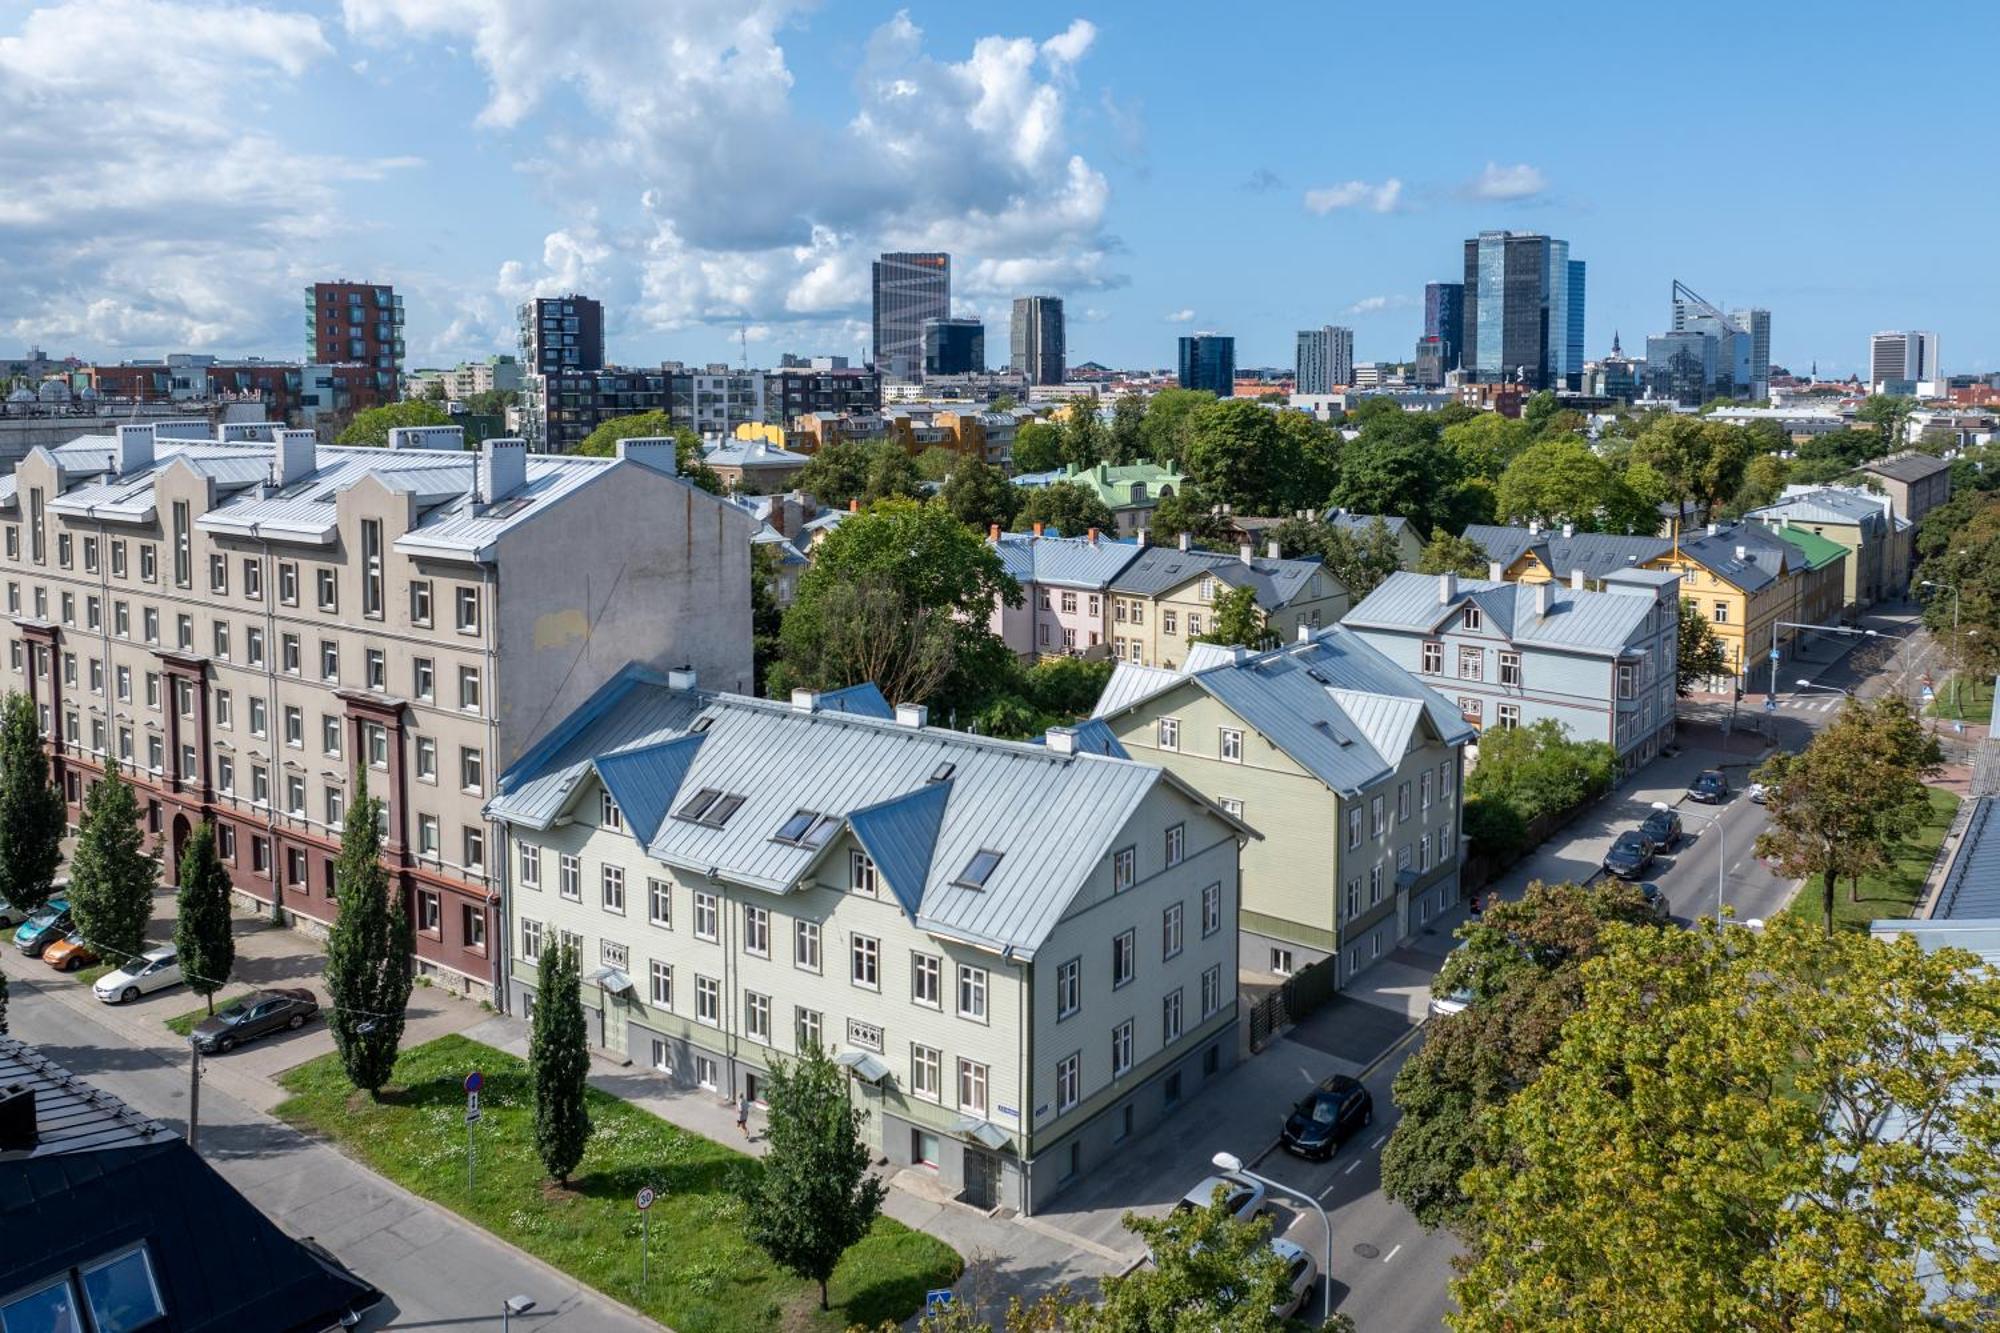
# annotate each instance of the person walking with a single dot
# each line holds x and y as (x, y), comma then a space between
(743, 1113)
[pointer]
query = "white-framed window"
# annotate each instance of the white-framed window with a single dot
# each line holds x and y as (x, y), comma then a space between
(468, 689)
(1069, 1081)
(1353, 828)
(1433, 659)
(1473, 618)
(926, 1072)
(706, 916)
(926, 980)
(861, 877)
(972, 1087)
(1124, 958)
(1509, 716)
(467, 604)
(865, 962)
(1211, 910)
(1510, 668)
(1170, 931)
(531, 940)
(1375, 817)
(1229, 745)
(662, 985)
(1121, 1049)
(1424, 790)
(1069, 988)
(805, 945)
(427, 758)
(807, 1028)
(1169, 731)
(1626, 679)
(707, 1000)
(611, 880)
(1281, 962)
(608, 813)
(1211, 992)
(660, 903)
(473, 840)
(1170, 1016)
(972, 992)
(1124, 868)
(569, 877)
(756, 931)
(1176, 844)
(757, 1016)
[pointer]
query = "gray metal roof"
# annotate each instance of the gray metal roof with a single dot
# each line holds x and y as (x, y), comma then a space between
(1334, 703)
(1502, 543)
(1600, 623)
(1766, 556)
(1161, 569)
(1826, 504)
(1907, 466)
(753, 453)
(1971, 888)
(1595, 553)
(1359, 524)
(72, 1116)
(1070, 562)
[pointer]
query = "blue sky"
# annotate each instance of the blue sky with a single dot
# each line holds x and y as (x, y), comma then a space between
(716, 167)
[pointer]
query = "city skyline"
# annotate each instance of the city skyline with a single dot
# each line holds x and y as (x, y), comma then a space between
(1034, 150)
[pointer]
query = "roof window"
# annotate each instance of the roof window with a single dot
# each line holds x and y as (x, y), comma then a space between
(710, 806)
(806, 828)
(978, 870)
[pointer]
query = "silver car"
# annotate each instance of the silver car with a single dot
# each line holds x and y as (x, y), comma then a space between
(153, 970)
(1301, 1271)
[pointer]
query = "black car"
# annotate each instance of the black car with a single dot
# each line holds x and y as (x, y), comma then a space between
(252, 1016)
(1629, 855)
(1663, 829)
(1327, 1116)
(1656, 901)
(1711, 788)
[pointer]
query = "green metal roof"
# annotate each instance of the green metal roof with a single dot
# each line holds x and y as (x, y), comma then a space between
(1818, 551)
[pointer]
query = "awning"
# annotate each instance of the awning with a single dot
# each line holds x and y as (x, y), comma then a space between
(983, 1132)
(867, 1067)
(612, 981)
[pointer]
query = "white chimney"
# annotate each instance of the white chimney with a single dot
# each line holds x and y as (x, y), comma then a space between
(295, 458)
(1714, 528)
(1187, 542)
(658, 452)
(681, 678)
(1139, 538)
(502, 469)
(912, 715)
(1576, 579)
(135, 449)
(1494, 572)
(1534, 527)
(1246, 553)
(1569, 531)
(1271, 550)
(1743, 555)
(1062, 740)
(805, 701)
(1305, 632)
(1447, 587)
(1545, 598)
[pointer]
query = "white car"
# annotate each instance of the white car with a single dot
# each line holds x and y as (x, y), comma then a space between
(1302, 1270)
(154, 970)
(1243, 1198)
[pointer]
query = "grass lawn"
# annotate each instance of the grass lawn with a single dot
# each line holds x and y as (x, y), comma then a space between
(1975, 700)
(1892, 893)
(705, 1277)
(182, 1024)
(89, 975)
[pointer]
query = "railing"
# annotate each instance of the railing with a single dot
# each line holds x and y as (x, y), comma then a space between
(1302, 994)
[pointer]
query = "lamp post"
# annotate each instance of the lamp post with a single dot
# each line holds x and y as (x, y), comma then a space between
(1805, 684)
(1714, 822)
(1230, 1162)
(512, 1306)
(1951, 588)
(1823, 629)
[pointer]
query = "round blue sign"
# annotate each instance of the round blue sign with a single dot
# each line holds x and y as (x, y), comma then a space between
(473, 1081)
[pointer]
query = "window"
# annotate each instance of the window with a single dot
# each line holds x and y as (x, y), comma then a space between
(471, 770)
(329, 660)
(926, 987)
(756, 931)
(428, 917)
(709, 806)
(708, 1001)
(149, 620)
(329, 590)
(1375, 819)
(1721, 616)
(1069, 1082)
(420, 602)
(427, 755)
(1170, 1016)
(1433, 659)
(1424, 790)
(806, 1028)
(805, 945)
(288, 583)
(927, 1073)
(371, 568)
(1194, 624)
(978, 870)
(1211, 910)
(608, 813)
(253, 579)
(149, 563)
(430, 836)
(253, 646)
(1510, 716)
(569, 878)
(865, 962)
(221, 639)
(1124, 863)
(425, 679)
(260, 780)
(661, 990)
(1374, 884)
(864, 1034)
(1124, 958)
(1473, 619)
(806, 828)
(1121, 1049)
(1354, 828)
(757, 1017)
(1470, 709)
(660, 903)
(1170, 931)
(336, 807)
(468, 610)
(1510, 668)
(706, 916)
(531, 940)
(1471, 663)
(1229, 745)
(1402, 801)
(218, 573)
(295, 727)
(860, 873)
(183, 552)
(971, 1087)
(1211, 991)
(1169, 729)
(1176, 844)
(1069, 988)
(468, 693)
(1625, 680)
(375, 667)
(611, 882)
(258, 722)
(972, 992)
(1169, 621)
(118, 566)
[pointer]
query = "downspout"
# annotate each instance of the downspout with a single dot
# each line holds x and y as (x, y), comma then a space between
(272, 654)
(1025, 1091)
(499, 934)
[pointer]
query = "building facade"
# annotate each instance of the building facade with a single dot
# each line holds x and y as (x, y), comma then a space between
(1022, 953)
(358, 323)
(1915, 483)
(1065, 585)
(1346, 765)
(1131, 492)
(1523, 311)
(1208, 361)
(1325, 359)
(1165, 598)
(1878, 540)
(250, 627)
(1899, 361)
(955, 346)
(1444, 321)
(1038, 340)
(907, 288)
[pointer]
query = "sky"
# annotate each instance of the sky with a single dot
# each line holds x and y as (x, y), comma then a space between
(173, 173)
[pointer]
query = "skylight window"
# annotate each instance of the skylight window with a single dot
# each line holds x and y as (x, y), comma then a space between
(943, 772)
(978, 869)
(710, 806)
(806, 828)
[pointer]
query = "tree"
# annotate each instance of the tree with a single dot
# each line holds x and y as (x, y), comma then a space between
(371, 426)
(1890, 415)
(1082, 435)
(1764, 478)
(559, 1063)
(815, 1197)
(1859, 784)
(112, 877)
(1066, 507)
(368, 966)
(1234, 454)
(492, 402)
(1209, 1272)
(1397, 468)
(1446, 554)
(1362, 562)
(979, 495)
(1791, 1128)
(1486, 444)
(603, 443)
(1037, 448)
(863, 470)
(1127, 444)
(1701, 655)
(204, 938)
(1237, 619)
(1168, 423)
(1696, 460)
(1189, 511)
(1562, 480)
(433, 391)
(32, 815)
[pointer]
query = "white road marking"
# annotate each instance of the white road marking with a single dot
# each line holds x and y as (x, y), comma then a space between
(1380, 1140)
(1328, 1190)
(1390, 1255)
(1350, 1167)
(1738, 866)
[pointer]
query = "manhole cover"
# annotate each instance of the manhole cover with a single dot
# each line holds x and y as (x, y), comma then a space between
(1367, 1251)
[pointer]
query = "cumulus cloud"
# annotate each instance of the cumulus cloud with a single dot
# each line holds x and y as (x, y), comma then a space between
(1371, 197)
(1498, 182)
(1184, 315)
(1372, 305)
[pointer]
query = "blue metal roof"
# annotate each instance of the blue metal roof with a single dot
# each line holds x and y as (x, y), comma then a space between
(643, 780)
(900, 835)
(864, 699)
(1971, 887)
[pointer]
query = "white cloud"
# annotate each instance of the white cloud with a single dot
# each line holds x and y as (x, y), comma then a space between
(1185, 315)
(1498, 182)
(1374, 198)
(1374, 305)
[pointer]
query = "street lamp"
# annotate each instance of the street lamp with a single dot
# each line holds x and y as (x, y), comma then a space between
(1952, 588)
(1805, 684)
(1823, 629)
(1714, 822)
(513, 1306)
(1230, 1162)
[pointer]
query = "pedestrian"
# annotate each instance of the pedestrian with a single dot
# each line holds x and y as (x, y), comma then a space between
(1475, 904)
(743, 1113)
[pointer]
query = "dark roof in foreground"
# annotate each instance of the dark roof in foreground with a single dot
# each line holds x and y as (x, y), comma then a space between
(1971, 886)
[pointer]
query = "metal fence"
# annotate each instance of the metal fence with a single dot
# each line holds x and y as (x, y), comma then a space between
(1302, 994)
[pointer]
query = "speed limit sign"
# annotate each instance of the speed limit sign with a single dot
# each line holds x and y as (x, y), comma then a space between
(645, 1198)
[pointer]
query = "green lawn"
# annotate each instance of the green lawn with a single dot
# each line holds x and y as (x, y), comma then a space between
(1975, 700)
(182, 1024)
(705, 1277)
(1895, 892)
(89, 975)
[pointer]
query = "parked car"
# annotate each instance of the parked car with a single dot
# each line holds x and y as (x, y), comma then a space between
(1756, 792)
(12, 916)
(1711, 788)
(1663, 829)
(1451, 1002)
(156, 969)
(44, 928)
(1630, 854)
(1656, 900)
(1302, 1270)
(252, 1016)
(71, 953)
(1327, 1116)
(1245, 1198)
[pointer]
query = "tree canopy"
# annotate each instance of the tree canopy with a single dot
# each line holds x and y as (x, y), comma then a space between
(603, 443)
(559, 1062)
(371, 425)
(32, 815)
(204, 936)
(1065, 507)
(979, 494)
(1237, 619)
(1446, 554)
(1696, 460)
(1037, 447)
(1257, 461)
(368, 967)
(860, 470)
(1701, 655)
(1396, 467)
(111, 875)
(1168, 426)
(1562, 480)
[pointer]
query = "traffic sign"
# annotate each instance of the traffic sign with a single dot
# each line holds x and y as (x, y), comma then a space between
(1770, 704)
(472, 1114)
(1774, 654)
(939, 1298)
(474, 1082)
(645, 1197)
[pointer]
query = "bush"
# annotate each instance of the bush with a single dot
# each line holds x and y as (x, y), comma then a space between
(1529, 773)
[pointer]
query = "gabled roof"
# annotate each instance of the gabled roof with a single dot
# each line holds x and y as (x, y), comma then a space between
(900, 835)
(1765, 557)
(1599, 623)
(1825, 504)
(1072, 562)
(1971, 888)
(1907, 466)
(1814, 550)
(1595, 553)
(1359, 524)
(641, 780)
(1161, 569)
(1503, 544)
(1333, 703)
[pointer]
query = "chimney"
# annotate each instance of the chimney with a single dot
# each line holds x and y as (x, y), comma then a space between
(502, 469)
(1743, 555)
(1494, 572)
(1305, 632)
(1139, 538)
(17, 1119)
(681, 678)
(1576, 579)
(427, 437)
(661, 453)
(1246, 553)
(1714, 529)
(805, 701)
(135, 449)
(1534, 527)
(295, 458)
(992, 532)
(1545, 598)
(1038, 528)
(912, 715)
(1271, 549)
(1093, 536)
(1447, 587)
(1062, 740)
(854, 506)
(1569, 531)
(1187, 543)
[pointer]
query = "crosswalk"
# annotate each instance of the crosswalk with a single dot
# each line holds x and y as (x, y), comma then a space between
(1808, 704)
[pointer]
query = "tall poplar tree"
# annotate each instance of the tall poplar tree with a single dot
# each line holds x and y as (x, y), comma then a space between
(368, 965)
(204, 938)
(112, 876)
(32, 818)
(559, 1063)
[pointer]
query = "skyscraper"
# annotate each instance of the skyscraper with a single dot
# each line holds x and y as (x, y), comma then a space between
(1524, 310)
(1444, 320)
(358, 323)
(1757, 323)
(1325, 359)
(1902, 359)
(1036, 347)
(1208, 361)
(909, 288)
(954, 347)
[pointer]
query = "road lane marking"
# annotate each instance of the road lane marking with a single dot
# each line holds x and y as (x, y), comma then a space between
(1380, 1140)
(1390, 1255)
(1328, 1190)
(1350, 1167)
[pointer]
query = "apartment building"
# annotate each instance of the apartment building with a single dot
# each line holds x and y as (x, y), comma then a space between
(1024, 954)
(1753, 582)
(1915, 483)
(1877, 538)
(251, 626)
(1600, 664)
(358, 323)
(1347, 767)
(1165, 599)
(1065, 584)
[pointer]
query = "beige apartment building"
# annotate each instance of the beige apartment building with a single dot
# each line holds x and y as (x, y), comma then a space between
(252, 626)
(1163, 600)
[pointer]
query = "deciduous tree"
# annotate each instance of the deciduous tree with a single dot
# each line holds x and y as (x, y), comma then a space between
(371, 425)
(1037, 447)
(1127, 444)
(559, 1063)
(1236, 618)
(979, 494)
(603, 443)
(112, 876)
(1701, 655)
(204, 936)
(32, 815)
(1168, 425)
(1696, 460)
(368, 964)
(1562, 480)
(1066, 507)
(1446, 554)
(1188, 510)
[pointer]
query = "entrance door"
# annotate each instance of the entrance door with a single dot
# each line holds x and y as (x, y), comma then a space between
(982, 1178)
(616, 1026)
(180, 845)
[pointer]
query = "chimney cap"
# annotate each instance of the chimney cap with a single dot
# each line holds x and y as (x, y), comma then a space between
(912, 715)
(1062, 740)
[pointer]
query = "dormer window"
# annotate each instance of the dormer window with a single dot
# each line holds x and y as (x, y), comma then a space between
(609, 815)
(1472, 616)
(806, 828)
(710, 806)
(978, 870)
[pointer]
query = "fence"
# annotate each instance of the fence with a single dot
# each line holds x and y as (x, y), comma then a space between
(1302, 993)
